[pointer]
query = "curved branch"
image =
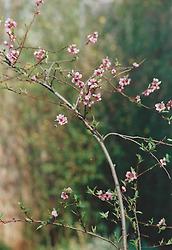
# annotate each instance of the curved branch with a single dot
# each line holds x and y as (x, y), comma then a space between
(161, 142)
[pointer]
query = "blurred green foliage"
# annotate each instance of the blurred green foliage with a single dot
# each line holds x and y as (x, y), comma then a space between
(3, 247)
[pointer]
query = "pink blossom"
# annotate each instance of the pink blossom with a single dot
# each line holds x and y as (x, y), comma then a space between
(100, 195)
(90, 97)
(13, 56)
(163, 162)
(11, 35)
(76, 78)
(106, 64)
(124, 81)
(113, 71)
(40, 54)
(86, 99)
(123, 189)
(108, 196)
(10, 24)
(61, 119)
(39, 2)
(169, 105)
(34, 78)
(64, 196)
(72, 49)
(147, 92)
(97, 97)
(161, 223)
(138, 99)
(54, 213)
(136, 65)
(92, 38)
(80, 84)
(90, 94)
(155, 84)
(98, 72)
(93, 83)
(104, 196)
(131, 176)
(160, 107)
(120, 88)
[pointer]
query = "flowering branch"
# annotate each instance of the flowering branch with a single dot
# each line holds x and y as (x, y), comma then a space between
(89, 92)
(45, 223)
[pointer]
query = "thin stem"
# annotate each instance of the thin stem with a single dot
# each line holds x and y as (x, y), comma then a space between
(59, 225)
(86, 232)
(117, 186)
(138, 231)
(139, 245)
(138, 138)
(129, 138)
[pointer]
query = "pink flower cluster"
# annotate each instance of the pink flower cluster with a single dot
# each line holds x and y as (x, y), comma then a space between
(104, 196)
(92, 38)
(90, 91)
(76, 78)
(40, 54)
(61, 119)
(104, 66)
(131, 176)
(64, 196)
(155, 85)
(90, 95)
(162, 106)
(10, 25)
(12, 54)
(123, 82)
(72, 49)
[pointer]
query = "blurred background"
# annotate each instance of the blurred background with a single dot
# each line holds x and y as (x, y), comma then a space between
(37, 160)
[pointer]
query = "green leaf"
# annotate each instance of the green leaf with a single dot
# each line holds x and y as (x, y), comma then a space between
(104, 215)
(39, 227)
